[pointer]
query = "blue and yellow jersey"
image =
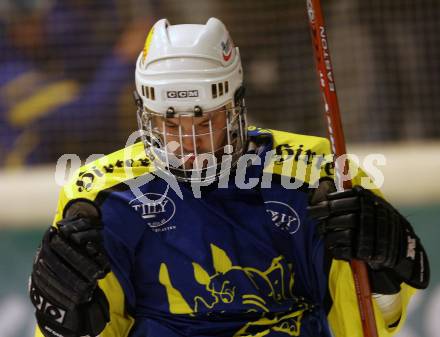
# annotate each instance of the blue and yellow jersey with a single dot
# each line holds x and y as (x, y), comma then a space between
(234, 262)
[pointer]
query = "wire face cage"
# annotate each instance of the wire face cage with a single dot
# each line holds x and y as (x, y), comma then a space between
(195, 146)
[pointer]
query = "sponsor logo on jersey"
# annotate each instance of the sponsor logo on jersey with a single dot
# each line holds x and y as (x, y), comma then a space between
(156, 209)
(182, 93)
(283, 216)
(227, 49)
(87, 180)
(287, 152)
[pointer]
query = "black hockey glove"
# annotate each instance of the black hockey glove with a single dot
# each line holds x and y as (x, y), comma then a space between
(63, 284)
(357, 224)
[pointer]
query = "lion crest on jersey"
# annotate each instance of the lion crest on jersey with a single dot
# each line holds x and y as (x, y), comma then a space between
(274, 284)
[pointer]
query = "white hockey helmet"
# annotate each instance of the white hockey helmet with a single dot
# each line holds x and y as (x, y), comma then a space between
(189, 89)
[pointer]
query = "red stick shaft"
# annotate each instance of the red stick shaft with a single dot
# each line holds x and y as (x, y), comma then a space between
(336, 136)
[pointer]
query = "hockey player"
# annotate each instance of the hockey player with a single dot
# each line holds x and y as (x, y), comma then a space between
(244, 258)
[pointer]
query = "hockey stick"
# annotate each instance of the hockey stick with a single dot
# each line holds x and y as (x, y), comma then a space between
(336, 136)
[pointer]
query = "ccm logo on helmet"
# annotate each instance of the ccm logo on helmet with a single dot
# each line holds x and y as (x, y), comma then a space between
(182, 93)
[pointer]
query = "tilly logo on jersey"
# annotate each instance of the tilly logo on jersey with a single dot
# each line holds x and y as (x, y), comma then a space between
(156, 209)
(283, 216)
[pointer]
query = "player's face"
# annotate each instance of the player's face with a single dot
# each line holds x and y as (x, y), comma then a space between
(188, 137)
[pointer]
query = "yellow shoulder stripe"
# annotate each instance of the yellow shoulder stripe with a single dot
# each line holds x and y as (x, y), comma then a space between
(303, 157)
(105, 172)
(308, 159)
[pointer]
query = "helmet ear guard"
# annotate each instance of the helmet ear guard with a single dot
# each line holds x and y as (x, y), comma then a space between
(137, 100)
(239, 95)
